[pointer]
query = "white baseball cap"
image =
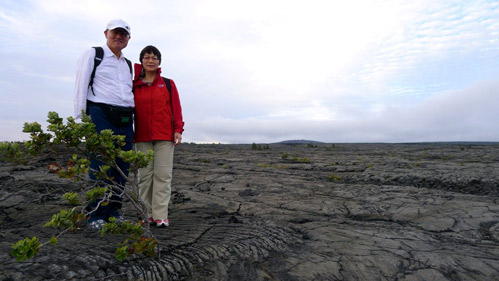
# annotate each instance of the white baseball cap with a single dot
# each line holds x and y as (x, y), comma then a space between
(118, 23)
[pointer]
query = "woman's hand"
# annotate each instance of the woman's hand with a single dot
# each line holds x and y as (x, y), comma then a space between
(177, 139)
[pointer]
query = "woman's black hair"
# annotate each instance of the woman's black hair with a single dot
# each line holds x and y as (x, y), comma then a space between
(150, 50)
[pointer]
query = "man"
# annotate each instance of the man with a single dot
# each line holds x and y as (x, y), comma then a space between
(109, 101)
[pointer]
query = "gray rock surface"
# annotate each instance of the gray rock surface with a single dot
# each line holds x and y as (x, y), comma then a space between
(324, 212)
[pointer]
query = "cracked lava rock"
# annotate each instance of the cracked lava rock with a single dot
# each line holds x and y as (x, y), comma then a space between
(422, 211)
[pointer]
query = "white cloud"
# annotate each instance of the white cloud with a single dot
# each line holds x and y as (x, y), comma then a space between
(273, 70)
(466, 115)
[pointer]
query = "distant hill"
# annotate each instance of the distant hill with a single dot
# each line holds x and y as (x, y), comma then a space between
(299, 142)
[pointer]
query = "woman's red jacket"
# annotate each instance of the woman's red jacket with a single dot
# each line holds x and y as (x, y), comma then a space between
(158, 114)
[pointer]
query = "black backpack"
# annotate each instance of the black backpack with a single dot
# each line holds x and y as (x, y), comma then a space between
(99, 55)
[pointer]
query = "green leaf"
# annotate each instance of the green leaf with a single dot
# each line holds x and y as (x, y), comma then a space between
(65, 219)
(25, 249)
(71, 198)
(121, 252)
(95, 193)
(53, 240)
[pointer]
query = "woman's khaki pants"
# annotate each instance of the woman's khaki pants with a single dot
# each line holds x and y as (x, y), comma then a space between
(155, 179)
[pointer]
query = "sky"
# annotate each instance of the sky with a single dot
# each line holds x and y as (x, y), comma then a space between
(265, 71)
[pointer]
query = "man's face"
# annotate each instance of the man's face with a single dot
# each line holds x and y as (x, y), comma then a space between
(117, 39)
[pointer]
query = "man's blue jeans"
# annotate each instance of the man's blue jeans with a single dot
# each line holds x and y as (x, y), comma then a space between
(102, 122)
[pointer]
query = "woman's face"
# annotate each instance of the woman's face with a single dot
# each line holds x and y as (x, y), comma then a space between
(150, 62)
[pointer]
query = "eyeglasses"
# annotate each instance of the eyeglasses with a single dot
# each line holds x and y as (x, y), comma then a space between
(119, 31)
(150, 58)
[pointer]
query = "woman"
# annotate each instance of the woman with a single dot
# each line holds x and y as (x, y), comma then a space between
(158, 127)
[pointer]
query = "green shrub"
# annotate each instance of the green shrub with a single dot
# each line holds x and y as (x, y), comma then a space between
(104, 145)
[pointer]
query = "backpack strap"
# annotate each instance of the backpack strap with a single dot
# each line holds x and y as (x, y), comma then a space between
(99, 55)
(129, 65)
(168, 85)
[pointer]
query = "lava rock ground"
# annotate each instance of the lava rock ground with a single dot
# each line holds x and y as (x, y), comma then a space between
(425, 211)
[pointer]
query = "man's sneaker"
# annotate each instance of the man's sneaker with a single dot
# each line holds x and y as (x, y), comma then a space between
(115, 214)
(119, 219)
(97, 224)
(162, 223)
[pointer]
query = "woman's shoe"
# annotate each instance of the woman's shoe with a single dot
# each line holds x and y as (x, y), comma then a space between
(162, 223)
(150, 221)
